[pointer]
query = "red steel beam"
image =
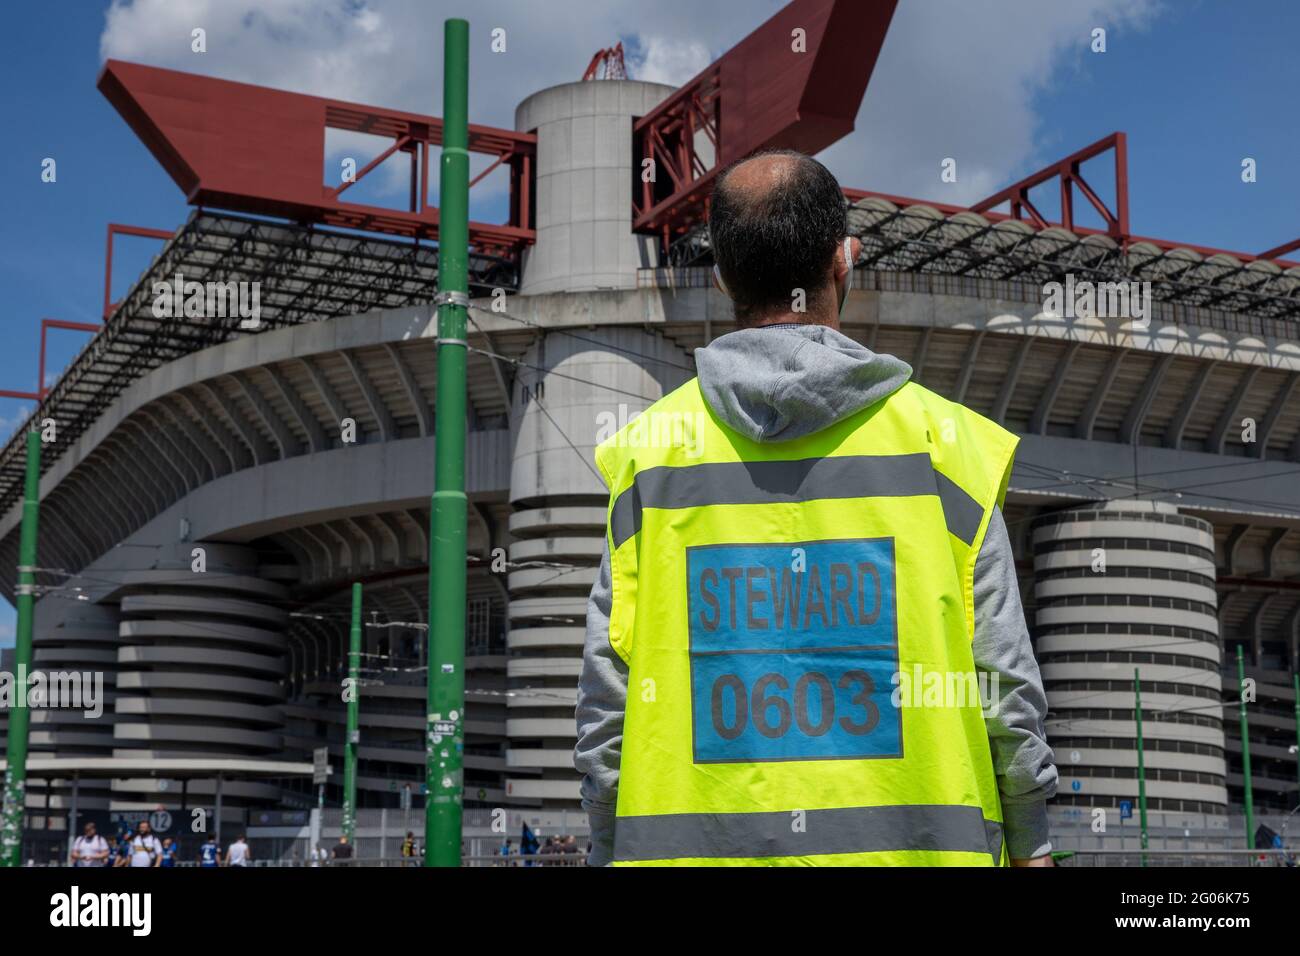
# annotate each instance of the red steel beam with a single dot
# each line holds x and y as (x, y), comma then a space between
(46, 324)
(763, 93)
(402, 142)
(1067, 170)
(117, 229)
(256, 150)
(1281, 250)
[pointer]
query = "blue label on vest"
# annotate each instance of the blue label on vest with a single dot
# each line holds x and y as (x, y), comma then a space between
(793, 651)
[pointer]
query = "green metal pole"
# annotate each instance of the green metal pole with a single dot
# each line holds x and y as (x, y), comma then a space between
(445, 733)
(15, 786)
(1295, 683)
(354, 733)
(1142, 766)
(1245, 752)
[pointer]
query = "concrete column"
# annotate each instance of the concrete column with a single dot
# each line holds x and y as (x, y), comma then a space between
(584, 185)
(558, 531)
(201, 657)
(1121, 585)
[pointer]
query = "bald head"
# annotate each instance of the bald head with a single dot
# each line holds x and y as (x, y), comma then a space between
(775, 223)
(757, 176)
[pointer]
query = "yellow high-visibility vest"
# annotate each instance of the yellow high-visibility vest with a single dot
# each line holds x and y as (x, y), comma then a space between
(797, 619)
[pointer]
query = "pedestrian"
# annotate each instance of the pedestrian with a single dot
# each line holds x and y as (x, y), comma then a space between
(238, 853)
(169, 849)
(815, 530)
(90, 849)
(570, 850)
(145, 849)
(408, 849)
(342, 854)
(210, 853)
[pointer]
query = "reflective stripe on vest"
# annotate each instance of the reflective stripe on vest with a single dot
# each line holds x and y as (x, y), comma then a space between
(955, 829)
(808, 479)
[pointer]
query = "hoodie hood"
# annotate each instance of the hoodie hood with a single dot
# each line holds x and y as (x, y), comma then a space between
(781, 382)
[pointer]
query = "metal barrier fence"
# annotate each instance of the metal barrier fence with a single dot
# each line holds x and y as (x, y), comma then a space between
(530, 859)
(1177, 858)
(1199, 859)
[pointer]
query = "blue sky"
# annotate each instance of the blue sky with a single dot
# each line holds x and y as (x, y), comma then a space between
(1003, 86)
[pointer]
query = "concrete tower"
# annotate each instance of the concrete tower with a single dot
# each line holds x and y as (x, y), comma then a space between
(1152, 606)
(584, 185)
(584, 245)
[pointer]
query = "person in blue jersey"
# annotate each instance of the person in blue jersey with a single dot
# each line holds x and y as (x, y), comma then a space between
(169, 849)
(123, 856)
(210, 853)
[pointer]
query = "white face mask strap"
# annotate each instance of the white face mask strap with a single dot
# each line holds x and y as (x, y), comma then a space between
(717, 278)
(848, 278)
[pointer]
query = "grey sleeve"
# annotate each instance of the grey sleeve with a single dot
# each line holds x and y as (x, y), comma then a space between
(1022, 759)
(602, 699)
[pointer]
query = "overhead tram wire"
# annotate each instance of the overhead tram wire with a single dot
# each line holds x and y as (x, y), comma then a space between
(1175, 678)
(550, 371)
(1076, 478)
(583, 338)
(1125, 480)
(568, 440)
(294, 608)
(1156, 493)
(1212, 705)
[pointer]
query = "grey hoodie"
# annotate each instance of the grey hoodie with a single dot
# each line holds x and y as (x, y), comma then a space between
(777, 383)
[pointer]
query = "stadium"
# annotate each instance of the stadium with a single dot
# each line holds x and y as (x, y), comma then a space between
(1153, 506)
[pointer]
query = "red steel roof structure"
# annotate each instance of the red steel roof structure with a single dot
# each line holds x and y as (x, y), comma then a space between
(797, 81)
(256, 150)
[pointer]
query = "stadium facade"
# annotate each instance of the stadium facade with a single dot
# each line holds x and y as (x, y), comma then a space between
(1153, 507)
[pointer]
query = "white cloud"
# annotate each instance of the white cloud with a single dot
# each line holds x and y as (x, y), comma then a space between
(662, 60)
(958, 80)
(389, 52)
(955, 79)
(10, 424)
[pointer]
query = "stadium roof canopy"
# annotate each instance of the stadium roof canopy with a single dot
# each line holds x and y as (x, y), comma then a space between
(921, 238)
(303, 274)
